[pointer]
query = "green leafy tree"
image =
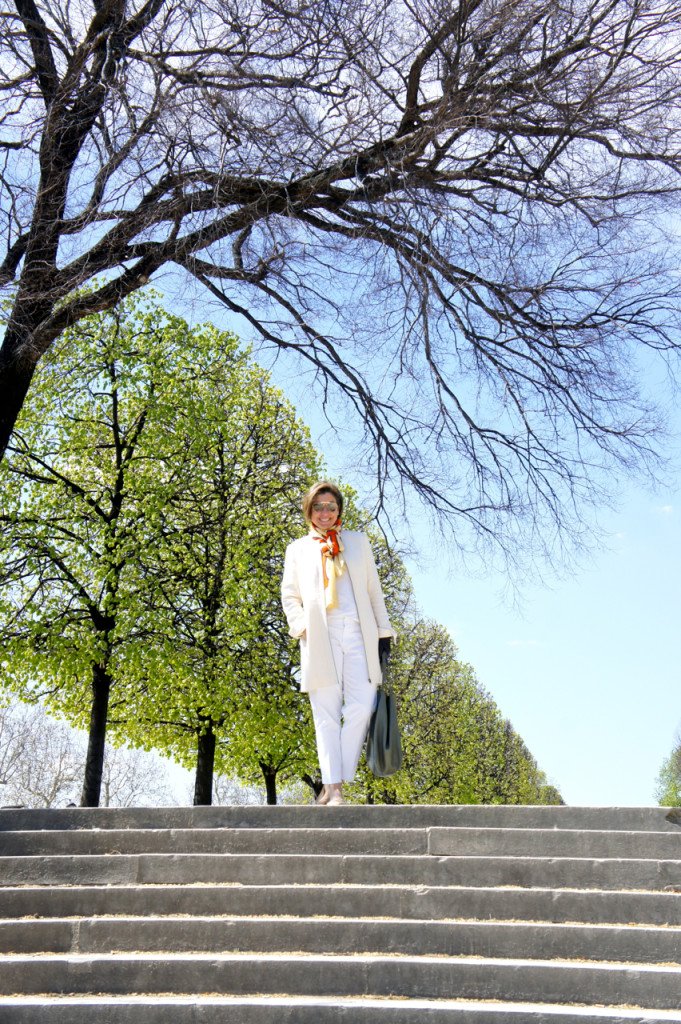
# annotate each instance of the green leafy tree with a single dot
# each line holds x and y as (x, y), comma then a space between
(224, 690)
(270, 735)
(78, 490)
(668, 791)
(127, 484)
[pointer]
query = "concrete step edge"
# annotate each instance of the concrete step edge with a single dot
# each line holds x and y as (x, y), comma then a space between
(406, 902)
(371, 858)
(431, 977)
(337, 958)
(662, 818)
(257, 830)
(434, 841)
(344, 936)
(341, 887)
(625, 874)
(311, 919)
(477, 1008)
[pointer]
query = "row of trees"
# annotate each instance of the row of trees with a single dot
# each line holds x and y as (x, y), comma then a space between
(147, 497)
(458, 748)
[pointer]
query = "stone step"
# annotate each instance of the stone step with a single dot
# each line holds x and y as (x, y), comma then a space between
(343, 935)
(183, 869)
(309, 1010)
(385, 901)
(224, 840)
(458, 841)
(637, 819)
(416, 977)
(524, 842)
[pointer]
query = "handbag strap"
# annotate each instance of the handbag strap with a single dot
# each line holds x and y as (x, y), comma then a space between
(385, 673)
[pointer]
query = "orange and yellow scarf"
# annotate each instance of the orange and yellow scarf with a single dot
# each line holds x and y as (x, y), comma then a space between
(333, 563)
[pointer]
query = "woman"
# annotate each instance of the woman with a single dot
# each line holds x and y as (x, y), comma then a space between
(334, 604)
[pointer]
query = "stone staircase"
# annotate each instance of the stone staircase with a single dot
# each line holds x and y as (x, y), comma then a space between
(370, 915)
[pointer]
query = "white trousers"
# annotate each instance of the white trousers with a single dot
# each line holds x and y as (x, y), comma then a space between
(342, 711)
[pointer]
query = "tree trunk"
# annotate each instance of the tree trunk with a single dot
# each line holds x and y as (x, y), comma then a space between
(270, 777)
(94, 761)
(316, 785)
(205, 764)
(15, 379)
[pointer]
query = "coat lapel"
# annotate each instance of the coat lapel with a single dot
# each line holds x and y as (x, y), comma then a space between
(353, 559)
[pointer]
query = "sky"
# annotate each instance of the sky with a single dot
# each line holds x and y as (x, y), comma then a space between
(587, 667)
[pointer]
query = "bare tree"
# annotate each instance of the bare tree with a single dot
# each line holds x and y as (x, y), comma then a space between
(42, 762)
(453, 213)
(228, 792)
(136, 778)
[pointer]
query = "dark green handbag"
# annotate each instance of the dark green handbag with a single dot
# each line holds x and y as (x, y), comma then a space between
(384, 746)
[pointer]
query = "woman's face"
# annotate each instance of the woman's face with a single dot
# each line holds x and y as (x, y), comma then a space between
(324, 511)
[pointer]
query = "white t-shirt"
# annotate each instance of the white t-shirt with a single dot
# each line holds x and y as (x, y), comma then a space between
(346, 598)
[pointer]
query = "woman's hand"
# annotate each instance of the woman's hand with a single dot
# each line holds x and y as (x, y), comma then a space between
(384, 647)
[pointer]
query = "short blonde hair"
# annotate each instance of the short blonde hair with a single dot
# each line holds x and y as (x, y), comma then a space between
(314, 492)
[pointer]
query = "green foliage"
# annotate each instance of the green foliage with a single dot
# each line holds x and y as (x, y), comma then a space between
(78, 491)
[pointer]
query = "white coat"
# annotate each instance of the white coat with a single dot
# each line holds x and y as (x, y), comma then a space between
(302, 597)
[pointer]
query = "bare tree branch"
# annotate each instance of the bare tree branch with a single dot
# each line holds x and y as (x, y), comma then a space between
(455, 215)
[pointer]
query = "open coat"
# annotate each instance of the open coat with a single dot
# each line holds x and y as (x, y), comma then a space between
(302, 597)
